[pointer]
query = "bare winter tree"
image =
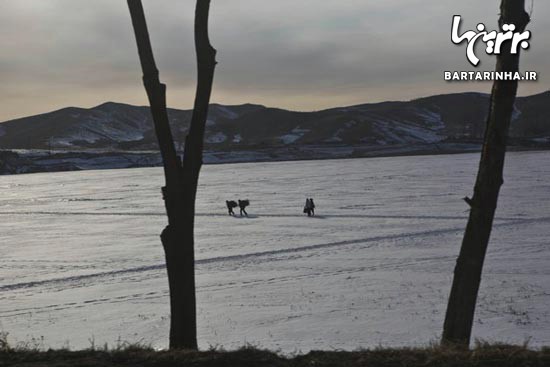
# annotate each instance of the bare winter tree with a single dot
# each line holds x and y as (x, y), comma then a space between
(467, 275)
(181, 177)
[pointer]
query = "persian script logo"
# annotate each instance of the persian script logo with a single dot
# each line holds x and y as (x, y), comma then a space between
(493, 40)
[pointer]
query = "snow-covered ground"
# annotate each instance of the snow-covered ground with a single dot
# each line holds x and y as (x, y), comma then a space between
(81, 260)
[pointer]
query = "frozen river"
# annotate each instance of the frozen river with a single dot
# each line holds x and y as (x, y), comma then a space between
(81, 259)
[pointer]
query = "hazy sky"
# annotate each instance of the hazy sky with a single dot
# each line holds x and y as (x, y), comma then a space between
(298, 54)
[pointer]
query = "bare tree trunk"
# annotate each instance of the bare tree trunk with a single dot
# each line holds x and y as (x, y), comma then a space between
(467, 275)
(181, 179)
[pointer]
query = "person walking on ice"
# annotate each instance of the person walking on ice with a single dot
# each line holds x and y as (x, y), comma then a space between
(242, 205)
(230, 205)
(309, 208)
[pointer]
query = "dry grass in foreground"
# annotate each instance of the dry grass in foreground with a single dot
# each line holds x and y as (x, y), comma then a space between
(481, 355)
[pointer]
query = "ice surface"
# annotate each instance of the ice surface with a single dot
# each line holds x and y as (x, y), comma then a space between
(80, 255)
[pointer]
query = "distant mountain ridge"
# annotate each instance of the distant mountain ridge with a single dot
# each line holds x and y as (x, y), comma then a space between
(430, 120)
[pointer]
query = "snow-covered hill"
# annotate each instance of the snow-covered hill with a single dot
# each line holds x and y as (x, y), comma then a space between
(121, 127)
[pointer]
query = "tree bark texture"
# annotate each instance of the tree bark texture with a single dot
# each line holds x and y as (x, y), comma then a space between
(182, 178)
(459, 317)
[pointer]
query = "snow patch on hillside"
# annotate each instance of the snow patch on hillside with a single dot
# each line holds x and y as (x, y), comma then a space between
(76, 136)
(350, 124)
(227, 112)
(401, 133)
(216, 138)
(103, 126)
(335, 138)
(422, 135)
(432, 119)
(296, 134)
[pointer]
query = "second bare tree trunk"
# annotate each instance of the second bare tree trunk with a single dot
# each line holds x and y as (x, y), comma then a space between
(467, 276)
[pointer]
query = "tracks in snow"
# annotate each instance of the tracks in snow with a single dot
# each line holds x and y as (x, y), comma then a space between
(253, 255)
(262, 215)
